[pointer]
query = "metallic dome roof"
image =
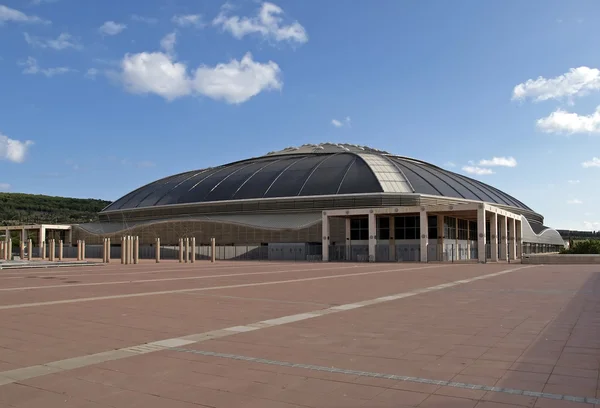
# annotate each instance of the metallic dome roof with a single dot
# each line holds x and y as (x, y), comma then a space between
(312, 170)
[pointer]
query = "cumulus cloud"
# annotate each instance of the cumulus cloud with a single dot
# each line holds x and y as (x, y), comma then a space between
(574, 201)
(336, 123)
(168, 43)
(267, 23)
(13, 150)
(591, 225)
(233, 82)
(62, 42)
(479, 171)
(595, 162)
(188, 20)
(111, 28)
(8, 14)
(577, 82)
(499, 161)
(144, 19)
(561, 121)
(32, 68)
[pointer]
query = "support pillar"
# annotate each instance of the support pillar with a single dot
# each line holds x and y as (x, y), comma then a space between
(424, 238)
(503, 238)
(348, 223)
(83, 249)
(129, 249)
(180, 250)
(29, 249)
(186, 254)
(372, 236)
(193, 248)
(22, 250)
(519, 230)
(325, 231)
(61, 248)
(157, 253)
(123, 249)
(512, 241)
(481, 234)
(51, 250)
(2, 250)
(42, 235)
(494, 237)
(440, 238)
(392, 249)
(43, 250)
(213, 249)
(136, 250)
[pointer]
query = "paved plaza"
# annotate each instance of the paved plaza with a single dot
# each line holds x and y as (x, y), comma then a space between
(254, 334)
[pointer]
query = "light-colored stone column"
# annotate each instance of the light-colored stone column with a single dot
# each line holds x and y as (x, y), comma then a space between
(519, 229)
(61, 248)
(130, 249)
(213, 250)
(494, 237)
(424, 238)
(440, 238)
(22, 250)
(180, 250)
(136, 250)
(29, 249)
(325, 233)
(2, 250)
(512, 242)
(503, 238)
(372, 236)
(83, 250)
(481, 252)
(108, 247)
(392, 249)
(43, 250)
(51, 250)
(157, 254)
(42, 235)
(10, 245)
(186, 248)
(123, 249)
(193, 252)
(79, 250)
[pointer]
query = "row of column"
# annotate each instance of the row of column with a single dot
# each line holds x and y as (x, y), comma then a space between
(187, 250)
(509, 236)
(130, 250)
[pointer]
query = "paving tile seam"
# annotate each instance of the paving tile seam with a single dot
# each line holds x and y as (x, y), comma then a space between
(196, 266)
(229, 275)
(242, 285)
(20, 374)
(420, 380)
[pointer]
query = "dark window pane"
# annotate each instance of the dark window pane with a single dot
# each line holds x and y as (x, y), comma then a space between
(364, 234)
(410, 222)
(384, 222)
(399, 233)
(411, 233)
(384, 234)
(354, 223)
(354, 234)
(399, 222)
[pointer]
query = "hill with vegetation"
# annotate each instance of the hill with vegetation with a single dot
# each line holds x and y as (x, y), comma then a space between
(573, 234)
(19, 209)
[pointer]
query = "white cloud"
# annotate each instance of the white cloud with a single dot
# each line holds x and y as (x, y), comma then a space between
(573, 182)
(499, 161)
(336, 123)
(234, 82)
(5, 186)
(561, 121)
(188, 20)
(38, 2)
(267, 23)
(595, 162)
(92, 73)
(591, 225)
(574, 201)
(62, 42)
(576, 82)
(16, 16)
(480, 171)
(13, 150)
(111, 28)
(144, 19)
(168, 43)
(32, 68)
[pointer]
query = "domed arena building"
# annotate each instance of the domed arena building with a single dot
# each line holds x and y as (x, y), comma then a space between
(332, 202)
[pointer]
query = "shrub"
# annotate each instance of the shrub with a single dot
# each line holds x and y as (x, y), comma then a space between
(584, 247)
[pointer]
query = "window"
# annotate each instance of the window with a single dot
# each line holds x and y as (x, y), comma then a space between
(449, 227)
(463, 229)
(407, 227)
(432, 231)
(383, 228)
(359, 229)
(473, 230)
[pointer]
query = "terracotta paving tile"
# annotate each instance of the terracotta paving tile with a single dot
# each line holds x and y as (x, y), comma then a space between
(495, 404)
(438, 401)
(473, 379)
(400, 397)
(503, 398)
(576, 390)
(460, 393)
(526, 376)
(532, 368)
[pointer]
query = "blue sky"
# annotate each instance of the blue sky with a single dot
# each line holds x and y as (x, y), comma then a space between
(102, 96)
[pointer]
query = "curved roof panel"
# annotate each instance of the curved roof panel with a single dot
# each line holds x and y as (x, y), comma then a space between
(312, 170)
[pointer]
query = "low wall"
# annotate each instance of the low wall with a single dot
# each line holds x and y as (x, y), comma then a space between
(560, 259)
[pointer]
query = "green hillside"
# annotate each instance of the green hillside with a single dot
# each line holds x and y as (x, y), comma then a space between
(18, 209)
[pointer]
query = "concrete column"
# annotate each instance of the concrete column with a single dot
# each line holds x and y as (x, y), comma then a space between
(503, 238)
(123, 249)
(348, 223)
(512, 242)
(108, 247)
(157, 254)
(180, 250)
(29, 249)
(22, 250)
(2, 250)
(129, 249)
(519, 231)
(186, 248)
(372, 236)
(325, 232)
(70, 237)
(43, 250)
(136, 250)
(61, 248)
(494, 237)
(481, 234)
(213, 250)
(440, 238)
(392, 238)
(193, 250)
(83, 250)
(79, 250)
(424, 238)
(10, 245)
(42, 235)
